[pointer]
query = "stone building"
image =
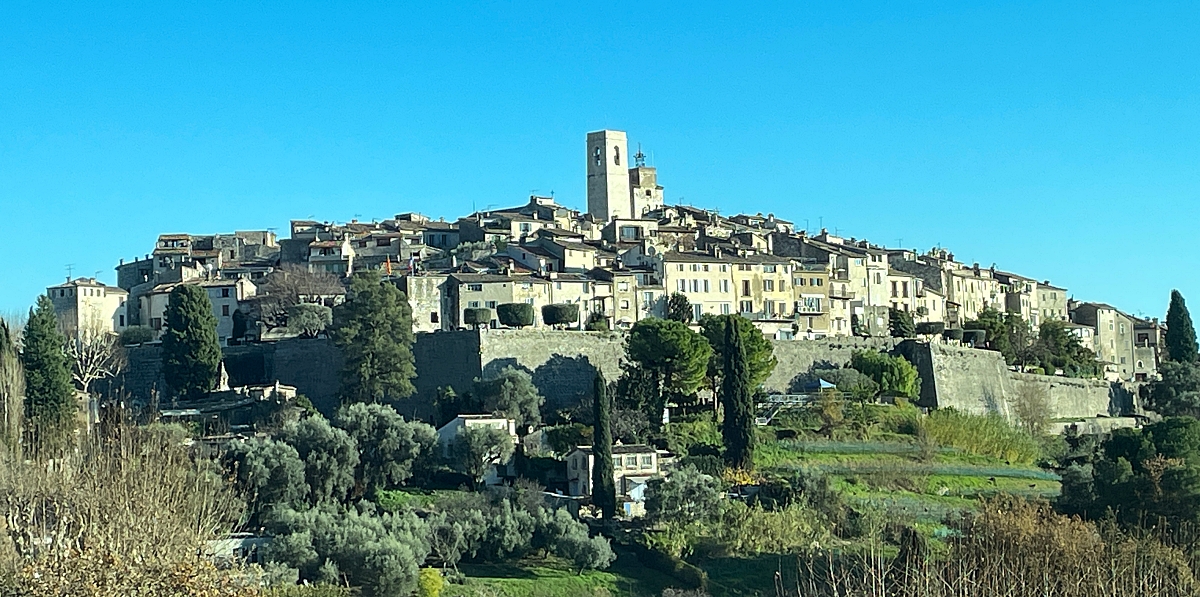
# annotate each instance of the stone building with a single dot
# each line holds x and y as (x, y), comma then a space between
(226, 296)
(1114, 336)
(85, 306)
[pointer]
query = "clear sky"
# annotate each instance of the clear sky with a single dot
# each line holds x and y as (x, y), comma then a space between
(1057, 140)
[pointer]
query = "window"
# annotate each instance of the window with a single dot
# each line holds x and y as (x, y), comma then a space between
(647, 461)
(725, 286)
(706, 286)
(695, 285)
(724, 308)
(878, 278)
(224, 293)
(156, 323)
(697, 311)
(770, 269)
(1122, 360)
(631, 462)
(819, 282)
(695, 267)
(598, 156)
(769, 307)
(745, 307)
(904, 289)
(624, 304)
(121, 320)
(490, 304)
(616, 156)
(623, 286)
(528, 301)
(679, 267)
(648, 297)
(526, 227)
(745, 287)
(433, 317)
(683, 286)
(745, 267)
(616, 462)
(895, 289)
(473, 305)
(224, 310)
(800, 281)
(768, 285)
(474, 287)
(704, 267)
(724, 267)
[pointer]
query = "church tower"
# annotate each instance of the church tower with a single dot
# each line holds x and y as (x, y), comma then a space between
(645, 194)
(608, 175)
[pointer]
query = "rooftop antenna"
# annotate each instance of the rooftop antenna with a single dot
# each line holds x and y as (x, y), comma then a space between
(639, 158)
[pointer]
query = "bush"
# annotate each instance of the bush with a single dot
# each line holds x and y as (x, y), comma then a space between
(930, 328)
(429, 583)
(975, 337)
(515, 315)
(137, 334)
(598, 322)
(560, 314)
(895, 375)
(954, 334)
(477, 316)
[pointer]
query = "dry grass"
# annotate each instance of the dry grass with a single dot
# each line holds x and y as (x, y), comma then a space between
(128, 514)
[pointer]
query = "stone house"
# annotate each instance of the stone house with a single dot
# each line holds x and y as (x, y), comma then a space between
(85, 306)
(226, 297)
(1114, 337)
(470, 291)
(813, 306)
(633, 466)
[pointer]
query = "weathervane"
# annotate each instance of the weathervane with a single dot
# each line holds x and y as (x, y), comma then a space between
(639, 158)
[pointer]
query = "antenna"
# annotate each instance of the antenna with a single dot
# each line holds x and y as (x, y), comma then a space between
(639, 158)
(70, 270)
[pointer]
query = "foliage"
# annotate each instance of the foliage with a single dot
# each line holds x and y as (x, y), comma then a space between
(900, 324)
(50, 404)
(12, 390)
(477, 448)
(565, 438)
(515, 315)
(685, 496)
(992, 321)
(1141, 476)
(985, 435)
(598, 322)
(191, 351)
(477, 316)
(847, 380)
(511, 394)
(268, 473)
(136, 334)
(308, 320)
(895, 375)
(390, 448)
(1181, 334)
(1178, 390)
(679, 308)
(745, 531)
(737, 398)
(561, 314)
(569, 539)
(1058, 348)
(604, 492)
(330, 458)
(759, 351)
(380, 552)
(701, 430)
(374, 331)
(429, 583)
(241, 322)
(930, 328)
(1031, 405)
(673, 355)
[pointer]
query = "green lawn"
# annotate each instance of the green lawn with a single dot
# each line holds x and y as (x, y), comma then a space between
(551, 577)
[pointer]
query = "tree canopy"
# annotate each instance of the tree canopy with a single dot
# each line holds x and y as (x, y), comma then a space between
(900, 324)
(737, 397)
(511, 394)
(476, 449)
(374, 331)
(191, 351)
(760, 354)
(515, 315)
(679, 308)
(1181, 333)
(604, 493)
(50, 404)
(894, 374)
(390, 448)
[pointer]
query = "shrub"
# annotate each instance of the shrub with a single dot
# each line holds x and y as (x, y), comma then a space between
(975, 337)
(515, 315)
(308, 320)
(955, 334)
(477, 316)
(137, 334)
(895, 375)
(598, 322)
(429, 583)
(930, 328)
(560, 314)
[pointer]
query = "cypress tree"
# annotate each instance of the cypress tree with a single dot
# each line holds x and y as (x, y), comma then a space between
(604, 493)
(50, 404)
(1181, 334)
(191, 352)
(374, 330)
(12, 390)
(737, 397)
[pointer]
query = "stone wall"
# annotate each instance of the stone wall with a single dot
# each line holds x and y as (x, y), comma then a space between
(797, 357)
(979, 381)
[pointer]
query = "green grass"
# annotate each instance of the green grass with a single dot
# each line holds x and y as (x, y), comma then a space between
(552, 577)
(392, 500)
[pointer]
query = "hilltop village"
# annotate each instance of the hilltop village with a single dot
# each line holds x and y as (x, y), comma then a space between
(619, 262)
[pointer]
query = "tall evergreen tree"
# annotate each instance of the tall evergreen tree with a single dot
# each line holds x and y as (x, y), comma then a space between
(1181, 334)
(50, 404)
(374, 331)
(604, 492)
(191, 352)
(760, 354)
(674, 359)
(738, 399)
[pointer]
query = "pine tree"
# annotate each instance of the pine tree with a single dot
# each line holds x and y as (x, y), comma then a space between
(604, 493)
(737, 397)
(50, 404)
(191, 352)
(374, 331)
(1181, 334)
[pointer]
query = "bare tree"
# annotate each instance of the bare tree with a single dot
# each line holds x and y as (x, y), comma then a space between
(12, 389)
(291, 285)
(95, 354)
(1033, 409)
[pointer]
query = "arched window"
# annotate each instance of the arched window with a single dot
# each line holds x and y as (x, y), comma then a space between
(1140, 365)
(598, 156)
(616, 155)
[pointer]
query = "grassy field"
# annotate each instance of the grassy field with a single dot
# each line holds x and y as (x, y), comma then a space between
(551, 577)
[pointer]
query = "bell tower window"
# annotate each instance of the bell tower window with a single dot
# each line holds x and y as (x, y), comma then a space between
(616, 155)
(598, 156)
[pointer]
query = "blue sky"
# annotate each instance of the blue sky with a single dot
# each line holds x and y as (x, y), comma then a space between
(1057, 140)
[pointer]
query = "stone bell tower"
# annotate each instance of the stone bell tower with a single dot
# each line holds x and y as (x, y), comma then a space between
(608, 175)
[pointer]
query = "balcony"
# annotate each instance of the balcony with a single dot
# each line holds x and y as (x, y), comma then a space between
(847, 295)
